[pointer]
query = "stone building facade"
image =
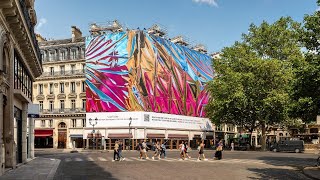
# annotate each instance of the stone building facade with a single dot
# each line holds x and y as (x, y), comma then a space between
(20, 65)
(60, 93)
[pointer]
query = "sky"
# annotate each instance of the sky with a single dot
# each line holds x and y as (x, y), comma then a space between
(214, 23)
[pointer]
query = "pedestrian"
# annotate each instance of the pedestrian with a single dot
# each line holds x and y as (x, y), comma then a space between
(201, 151)
(218, 154)
(157, 150)
(163, 150)
(144, 149)
(187, 150)
(182, 150)
(121, 158)
(116, 152)
(232, 146)
(140, 149)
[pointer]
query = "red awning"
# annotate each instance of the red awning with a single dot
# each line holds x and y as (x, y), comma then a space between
(43, 132)
(178, 136)
(119, 136)
(155, 136)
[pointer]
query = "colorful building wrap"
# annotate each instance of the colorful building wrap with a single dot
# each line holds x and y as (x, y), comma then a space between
(137, 71)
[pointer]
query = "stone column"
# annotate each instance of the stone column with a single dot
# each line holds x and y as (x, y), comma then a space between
(2, 154)
(31, 138)
(24, 131)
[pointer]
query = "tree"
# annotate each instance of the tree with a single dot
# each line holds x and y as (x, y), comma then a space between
(305, 93)
(253, 76)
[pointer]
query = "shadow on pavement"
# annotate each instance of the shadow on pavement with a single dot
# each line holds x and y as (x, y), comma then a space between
(289, 161)
(277, 173)
(81, 170)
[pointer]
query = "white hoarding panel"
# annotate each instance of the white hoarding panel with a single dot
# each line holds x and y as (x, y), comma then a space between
(149, 119)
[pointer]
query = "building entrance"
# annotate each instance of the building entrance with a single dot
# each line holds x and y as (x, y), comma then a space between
(62, 135)
(18, 118)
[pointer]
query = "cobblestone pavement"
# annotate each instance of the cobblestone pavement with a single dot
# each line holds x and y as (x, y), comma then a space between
(234, 165)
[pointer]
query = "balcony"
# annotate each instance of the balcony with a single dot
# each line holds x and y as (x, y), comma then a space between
(72, 95)
(62, 73)
(40, 97)
(50, 96)
(62, 111)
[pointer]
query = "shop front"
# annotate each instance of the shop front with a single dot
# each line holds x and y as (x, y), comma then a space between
(77, 140)
(43, 138)
(125, 138)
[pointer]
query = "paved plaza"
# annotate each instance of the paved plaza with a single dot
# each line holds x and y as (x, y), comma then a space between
(234, 165)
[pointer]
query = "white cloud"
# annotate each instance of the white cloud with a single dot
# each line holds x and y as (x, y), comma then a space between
(209, 2)
(41, 22)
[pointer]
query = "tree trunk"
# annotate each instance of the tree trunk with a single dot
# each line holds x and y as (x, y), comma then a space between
(264, 137)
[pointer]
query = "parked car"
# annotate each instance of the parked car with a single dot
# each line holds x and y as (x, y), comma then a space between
(288, 146)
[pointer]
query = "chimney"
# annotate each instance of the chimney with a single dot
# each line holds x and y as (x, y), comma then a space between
(76, 33)
(40, 38)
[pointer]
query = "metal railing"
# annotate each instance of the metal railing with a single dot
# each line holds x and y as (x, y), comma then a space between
(64, 110)
(62, 73)
(31, 29)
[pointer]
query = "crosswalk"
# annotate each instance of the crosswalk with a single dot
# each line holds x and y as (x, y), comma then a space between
(194, 160)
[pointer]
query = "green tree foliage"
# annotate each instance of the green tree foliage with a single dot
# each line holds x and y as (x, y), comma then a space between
(306, 87)
(253, 76)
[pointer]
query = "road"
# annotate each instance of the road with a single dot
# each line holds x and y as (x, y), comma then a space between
(234, 165)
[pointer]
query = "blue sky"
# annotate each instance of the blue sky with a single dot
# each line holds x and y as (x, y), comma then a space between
(214, 23)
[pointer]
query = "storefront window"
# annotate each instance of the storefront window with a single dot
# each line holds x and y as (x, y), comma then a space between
(22, 79)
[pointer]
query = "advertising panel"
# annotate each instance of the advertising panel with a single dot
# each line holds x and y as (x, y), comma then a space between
(148, 119)
(137, 71)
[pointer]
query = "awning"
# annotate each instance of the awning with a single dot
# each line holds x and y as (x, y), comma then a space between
(178, 136)
(43, 133)
(155, 136)
(119, 136)
(95, 135)
(76, 135)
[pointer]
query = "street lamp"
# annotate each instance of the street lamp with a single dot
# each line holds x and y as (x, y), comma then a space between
(93, 123)
(130, 119)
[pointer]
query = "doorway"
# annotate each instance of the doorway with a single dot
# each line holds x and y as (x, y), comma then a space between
(18, 118)
(62, 135)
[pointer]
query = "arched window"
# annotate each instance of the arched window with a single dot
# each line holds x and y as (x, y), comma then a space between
(62, 125)
(280, 134)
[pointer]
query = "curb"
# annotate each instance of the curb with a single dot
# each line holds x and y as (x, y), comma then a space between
(53, 170)
(309, 174)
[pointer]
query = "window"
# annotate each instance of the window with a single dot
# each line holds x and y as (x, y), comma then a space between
(73, 68)
(74, 123)
(61, 87)
(83, 104)
(43, 123)
(40, 88)
(73, 104)
(51, 56)
(52, 71)
(83, 68)
(219, 127)
(50, 123)
(62, 71)
(74, 54)
(83, 87)
(51, 88)
(63, 55)
(83, 122)
(61, 105)
(22, 78)
(40, 106)
(73, 87)
(62, 125)
(51, 106)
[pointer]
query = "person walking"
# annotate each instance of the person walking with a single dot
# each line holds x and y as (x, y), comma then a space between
(218, 154)
(163, 150)
(121, 158)
(182, 150)
(140, 149)
(144, 149)
(201, 151)
(157, 151)
(187, 150)
(232, 146)
(116, 151)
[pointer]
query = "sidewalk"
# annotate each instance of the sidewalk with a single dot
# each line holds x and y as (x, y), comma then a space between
(37, 169)
(312, 172)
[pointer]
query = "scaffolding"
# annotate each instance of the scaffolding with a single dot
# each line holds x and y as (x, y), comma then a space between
(157, 30)
(200, 48)
(102, 28)
(181, 40)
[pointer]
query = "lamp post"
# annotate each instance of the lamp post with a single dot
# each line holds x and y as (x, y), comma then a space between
(93, 123)
(130, 119)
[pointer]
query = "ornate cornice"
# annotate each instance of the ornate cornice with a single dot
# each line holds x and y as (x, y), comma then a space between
(40, 97)
(72, 96)
(50, 96)
(62, 115)
(61, 96)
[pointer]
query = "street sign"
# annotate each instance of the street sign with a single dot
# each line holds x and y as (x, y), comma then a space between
(33, 110)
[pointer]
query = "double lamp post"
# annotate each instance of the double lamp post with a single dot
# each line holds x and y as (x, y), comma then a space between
(93, 123)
